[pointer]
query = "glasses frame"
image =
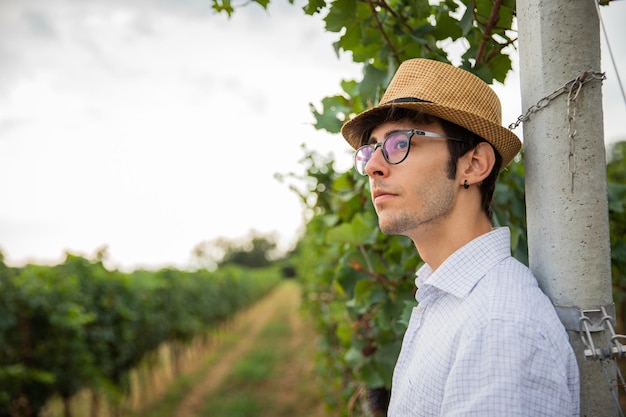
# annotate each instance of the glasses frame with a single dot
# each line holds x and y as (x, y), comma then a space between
(409, 135)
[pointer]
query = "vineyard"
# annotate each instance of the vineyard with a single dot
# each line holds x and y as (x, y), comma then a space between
(77, 325)
(78, 328)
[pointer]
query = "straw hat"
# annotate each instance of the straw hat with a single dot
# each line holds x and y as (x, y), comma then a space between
(449, 93)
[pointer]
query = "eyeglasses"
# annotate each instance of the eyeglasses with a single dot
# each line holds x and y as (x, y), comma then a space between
(395, 148)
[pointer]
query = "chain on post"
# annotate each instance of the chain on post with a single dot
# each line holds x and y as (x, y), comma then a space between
(572, 95)
(573, 89)
(582, 79)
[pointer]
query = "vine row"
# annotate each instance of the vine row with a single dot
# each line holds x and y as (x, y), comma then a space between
(78, 325)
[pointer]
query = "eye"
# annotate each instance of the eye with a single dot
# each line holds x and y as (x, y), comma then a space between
(402, 144)
(397, 142)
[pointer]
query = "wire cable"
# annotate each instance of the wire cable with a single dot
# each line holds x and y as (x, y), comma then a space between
(608, 44)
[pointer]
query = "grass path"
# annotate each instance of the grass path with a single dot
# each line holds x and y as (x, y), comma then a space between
(269, 365)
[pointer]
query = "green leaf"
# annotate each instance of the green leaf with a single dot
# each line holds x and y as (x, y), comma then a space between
(515, 238)
(371, 376)
(385, 359)
(447, 27)
(467, 21)
(262, 3)
(223, 6)
(340, 14)
(420, 9)
(344, 332)
(483, 72)
(373, 78)
(406, 312)
(346, 280)
(353, 357)
(333, 115)
(363, 292)
(500, 66)
(354, 233)
(617, 197)
(313, 6)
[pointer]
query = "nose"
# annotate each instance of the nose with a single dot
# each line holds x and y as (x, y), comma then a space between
(376, 166)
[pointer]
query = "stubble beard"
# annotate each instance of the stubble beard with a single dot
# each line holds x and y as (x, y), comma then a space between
(437, 202)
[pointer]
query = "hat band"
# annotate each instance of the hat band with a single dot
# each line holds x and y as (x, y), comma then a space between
(407, 100)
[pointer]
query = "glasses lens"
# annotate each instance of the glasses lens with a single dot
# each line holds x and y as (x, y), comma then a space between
(396, 147)
(362, 157)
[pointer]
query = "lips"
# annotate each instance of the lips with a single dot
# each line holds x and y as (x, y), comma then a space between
(379, 195)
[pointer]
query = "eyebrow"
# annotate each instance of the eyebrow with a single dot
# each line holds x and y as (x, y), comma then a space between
(372, 140)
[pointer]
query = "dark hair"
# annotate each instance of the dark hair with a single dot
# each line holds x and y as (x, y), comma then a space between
(456, 149)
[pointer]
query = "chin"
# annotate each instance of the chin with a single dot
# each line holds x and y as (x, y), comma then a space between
(390, 228)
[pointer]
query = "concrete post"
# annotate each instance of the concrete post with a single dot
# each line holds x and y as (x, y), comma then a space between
(566, 192)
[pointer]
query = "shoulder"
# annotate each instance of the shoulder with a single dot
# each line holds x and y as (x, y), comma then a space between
(509, 294)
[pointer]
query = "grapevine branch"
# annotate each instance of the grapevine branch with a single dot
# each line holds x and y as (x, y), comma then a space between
(379, 25)
(370, 270)
(500, 48)
(373, 4)
(354, 397)
(491, 22)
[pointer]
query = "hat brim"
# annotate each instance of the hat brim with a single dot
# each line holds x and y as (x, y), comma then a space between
(504, 141)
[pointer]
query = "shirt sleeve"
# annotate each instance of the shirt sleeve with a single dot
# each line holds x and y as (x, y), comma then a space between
(507, 369)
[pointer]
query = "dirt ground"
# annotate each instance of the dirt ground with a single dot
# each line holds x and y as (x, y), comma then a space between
(283, 304)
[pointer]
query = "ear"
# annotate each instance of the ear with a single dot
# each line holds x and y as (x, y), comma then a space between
(477, 164)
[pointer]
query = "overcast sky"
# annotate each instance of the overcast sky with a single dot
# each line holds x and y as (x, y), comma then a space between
(150, 126)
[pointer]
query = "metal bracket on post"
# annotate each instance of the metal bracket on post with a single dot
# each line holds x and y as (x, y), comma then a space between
(593, 320)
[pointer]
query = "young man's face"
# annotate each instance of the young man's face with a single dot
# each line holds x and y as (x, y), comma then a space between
(415, 194)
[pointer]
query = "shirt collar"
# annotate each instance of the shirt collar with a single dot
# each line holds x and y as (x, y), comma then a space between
(462, 270)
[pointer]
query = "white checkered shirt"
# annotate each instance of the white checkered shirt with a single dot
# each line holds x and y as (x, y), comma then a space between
(484, 341)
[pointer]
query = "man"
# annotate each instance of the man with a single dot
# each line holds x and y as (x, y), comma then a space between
(483, 340)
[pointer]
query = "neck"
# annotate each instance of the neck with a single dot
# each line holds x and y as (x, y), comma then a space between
(435, 243)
